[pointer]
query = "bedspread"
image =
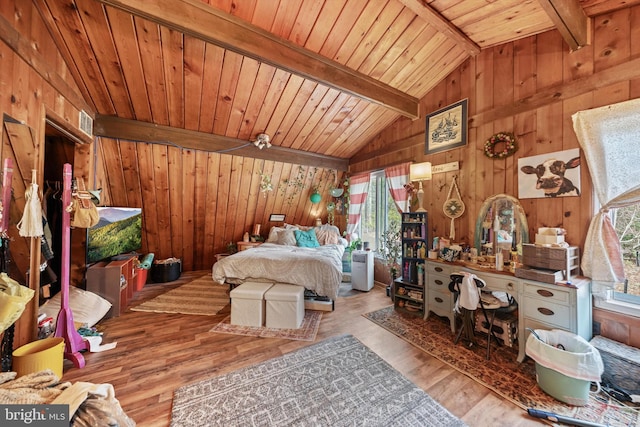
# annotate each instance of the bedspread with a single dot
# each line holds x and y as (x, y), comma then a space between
(317, 269)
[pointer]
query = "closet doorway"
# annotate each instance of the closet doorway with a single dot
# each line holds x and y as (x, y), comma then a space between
(58, 150)
(62, 146)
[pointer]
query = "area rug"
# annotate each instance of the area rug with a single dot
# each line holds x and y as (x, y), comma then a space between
(201, 296)
(336, 382)
(306, 332)
(513, 381)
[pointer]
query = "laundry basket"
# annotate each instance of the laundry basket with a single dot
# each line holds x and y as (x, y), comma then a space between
(566, 364)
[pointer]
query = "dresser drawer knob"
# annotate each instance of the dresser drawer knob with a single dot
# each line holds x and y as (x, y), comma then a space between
(545, 293)
(510, 286)
(438, 269)
(438, 282)
(439, 300)
(545, 311)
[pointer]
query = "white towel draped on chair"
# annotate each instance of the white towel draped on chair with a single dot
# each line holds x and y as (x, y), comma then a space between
(469, 293)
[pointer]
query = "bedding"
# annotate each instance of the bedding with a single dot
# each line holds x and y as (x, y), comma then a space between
(318, 269)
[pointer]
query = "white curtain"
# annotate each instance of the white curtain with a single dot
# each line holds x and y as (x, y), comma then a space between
(358, 190)
(396, 177)
(610, 139)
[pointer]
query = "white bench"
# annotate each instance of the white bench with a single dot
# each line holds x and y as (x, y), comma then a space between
(247, 303)
(285, 306)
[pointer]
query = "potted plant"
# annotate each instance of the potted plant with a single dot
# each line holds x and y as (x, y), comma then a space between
(391, 251)
(356, 244)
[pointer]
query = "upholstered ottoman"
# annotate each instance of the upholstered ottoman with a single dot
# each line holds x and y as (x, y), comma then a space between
(247, 303)
(285, 306)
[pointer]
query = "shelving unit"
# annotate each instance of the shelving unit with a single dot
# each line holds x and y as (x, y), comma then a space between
(114, 281)
(409, 289)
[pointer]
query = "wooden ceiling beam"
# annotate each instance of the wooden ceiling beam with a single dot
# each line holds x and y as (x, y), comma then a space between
(570, 20)
(211, 25)
(133, 130)
(440, 23)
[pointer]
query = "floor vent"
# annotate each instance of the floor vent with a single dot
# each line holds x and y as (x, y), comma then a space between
(86, 123)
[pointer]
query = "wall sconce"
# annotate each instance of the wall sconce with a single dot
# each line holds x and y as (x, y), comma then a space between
(420, 172)
(262, 140)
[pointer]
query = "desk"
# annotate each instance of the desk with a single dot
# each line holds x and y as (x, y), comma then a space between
(540, 305)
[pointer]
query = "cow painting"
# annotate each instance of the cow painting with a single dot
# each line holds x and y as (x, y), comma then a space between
(550, 176)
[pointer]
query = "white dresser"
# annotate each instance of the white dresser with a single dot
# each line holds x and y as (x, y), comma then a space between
(540, 305)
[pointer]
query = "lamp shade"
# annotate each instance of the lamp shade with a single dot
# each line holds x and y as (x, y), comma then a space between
(420, 171)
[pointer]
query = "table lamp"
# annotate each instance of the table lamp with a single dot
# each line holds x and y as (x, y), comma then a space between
(420, 172)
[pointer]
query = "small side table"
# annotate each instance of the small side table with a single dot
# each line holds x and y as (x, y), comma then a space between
(247, 245)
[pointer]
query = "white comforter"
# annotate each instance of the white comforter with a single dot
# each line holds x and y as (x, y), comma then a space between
(317, 269)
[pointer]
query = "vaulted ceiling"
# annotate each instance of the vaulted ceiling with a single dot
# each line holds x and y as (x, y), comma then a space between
(321, 77)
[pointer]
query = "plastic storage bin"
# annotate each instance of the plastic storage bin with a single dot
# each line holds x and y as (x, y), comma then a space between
(566, 364)
(38, 356)
(166, 270)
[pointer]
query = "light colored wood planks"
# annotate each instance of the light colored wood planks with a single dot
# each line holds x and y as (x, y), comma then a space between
(208, 24)
(158, 353)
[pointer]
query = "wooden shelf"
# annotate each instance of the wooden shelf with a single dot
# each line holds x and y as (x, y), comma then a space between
(114, 281)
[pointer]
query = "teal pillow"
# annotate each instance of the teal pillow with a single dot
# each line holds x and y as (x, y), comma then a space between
(307, 239)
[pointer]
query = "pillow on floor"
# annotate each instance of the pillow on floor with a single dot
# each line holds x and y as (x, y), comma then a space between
(87, 308)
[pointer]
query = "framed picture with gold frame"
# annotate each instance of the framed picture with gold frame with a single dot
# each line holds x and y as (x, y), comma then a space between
(446, 128)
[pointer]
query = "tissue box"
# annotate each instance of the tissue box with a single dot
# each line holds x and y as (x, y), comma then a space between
(546, 239)
(549, 236)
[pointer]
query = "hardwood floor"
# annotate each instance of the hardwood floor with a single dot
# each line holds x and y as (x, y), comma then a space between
(157, 353)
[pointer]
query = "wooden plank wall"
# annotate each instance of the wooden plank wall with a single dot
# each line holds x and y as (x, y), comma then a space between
(530, 87)
(195, 202)
(28, 95)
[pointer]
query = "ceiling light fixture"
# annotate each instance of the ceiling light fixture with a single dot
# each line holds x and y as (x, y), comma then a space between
(262, 140)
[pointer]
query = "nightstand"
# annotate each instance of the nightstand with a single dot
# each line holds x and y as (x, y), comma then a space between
(247, 245)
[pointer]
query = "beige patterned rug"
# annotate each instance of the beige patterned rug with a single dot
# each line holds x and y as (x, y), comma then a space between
(306, 332)
(202, 297)
(335, 382)
(513, 381)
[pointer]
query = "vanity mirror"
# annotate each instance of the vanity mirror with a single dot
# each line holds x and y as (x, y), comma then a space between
(501, 224)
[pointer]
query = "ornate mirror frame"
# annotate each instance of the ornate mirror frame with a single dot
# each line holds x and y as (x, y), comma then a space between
(487, 217)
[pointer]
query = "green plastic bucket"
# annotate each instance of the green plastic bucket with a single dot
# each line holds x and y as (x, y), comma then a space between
(566, 389)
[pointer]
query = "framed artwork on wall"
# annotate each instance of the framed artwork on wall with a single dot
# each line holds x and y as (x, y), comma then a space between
(554, 174)
(446, 128)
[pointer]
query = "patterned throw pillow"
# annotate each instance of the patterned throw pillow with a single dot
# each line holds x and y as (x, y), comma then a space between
(307, 239)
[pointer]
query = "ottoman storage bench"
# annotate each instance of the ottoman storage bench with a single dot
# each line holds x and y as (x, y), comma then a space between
(285, 306)
(247, 303)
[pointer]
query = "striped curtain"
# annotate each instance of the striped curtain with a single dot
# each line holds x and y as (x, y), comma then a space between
(397, 176)
(358, 189)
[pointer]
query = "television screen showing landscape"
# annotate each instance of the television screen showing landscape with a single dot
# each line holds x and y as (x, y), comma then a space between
(119, 231)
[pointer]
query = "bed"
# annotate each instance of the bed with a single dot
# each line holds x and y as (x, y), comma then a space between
(285, 259)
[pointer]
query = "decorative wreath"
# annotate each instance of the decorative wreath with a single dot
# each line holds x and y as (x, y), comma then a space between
(506, 138)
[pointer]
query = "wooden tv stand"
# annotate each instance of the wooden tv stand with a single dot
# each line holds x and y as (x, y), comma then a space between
(114, 281)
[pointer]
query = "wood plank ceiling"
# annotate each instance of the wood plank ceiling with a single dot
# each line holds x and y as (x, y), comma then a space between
(370, 62)
(321, 77)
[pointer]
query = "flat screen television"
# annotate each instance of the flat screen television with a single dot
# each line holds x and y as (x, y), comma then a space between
(119, 231)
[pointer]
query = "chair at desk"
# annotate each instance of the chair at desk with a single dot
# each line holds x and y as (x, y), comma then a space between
(467, 290)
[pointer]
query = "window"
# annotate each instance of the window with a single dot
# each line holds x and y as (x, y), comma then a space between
(608, 136)
(379, 212)
(626, 221)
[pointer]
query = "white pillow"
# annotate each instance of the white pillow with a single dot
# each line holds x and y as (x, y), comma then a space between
(287, 238)
(87, 308)
(273, 235)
